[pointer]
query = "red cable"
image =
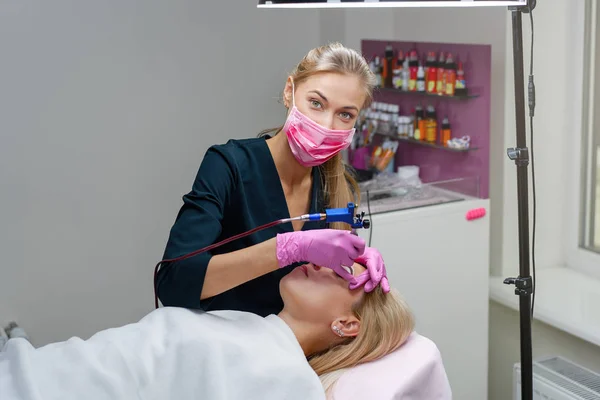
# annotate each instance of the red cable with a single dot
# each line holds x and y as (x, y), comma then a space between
(210, 247)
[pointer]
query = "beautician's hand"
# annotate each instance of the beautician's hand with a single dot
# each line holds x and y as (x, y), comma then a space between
(375, 274)
(329, 248)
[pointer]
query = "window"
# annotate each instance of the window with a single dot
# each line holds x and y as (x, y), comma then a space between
(591, 217)
(583, 222)
(590, 207)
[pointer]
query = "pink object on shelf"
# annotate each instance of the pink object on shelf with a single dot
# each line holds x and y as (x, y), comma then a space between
(475, 213)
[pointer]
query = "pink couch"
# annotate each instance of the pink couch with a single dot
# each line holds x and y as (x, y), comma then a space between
(413, 372)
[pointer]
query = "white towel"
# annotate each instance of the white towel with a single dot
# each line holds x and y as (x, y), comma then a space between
(172, 353)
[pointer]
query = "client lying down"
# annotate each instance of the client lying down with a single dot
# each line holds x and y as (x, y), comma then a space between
(175, 353)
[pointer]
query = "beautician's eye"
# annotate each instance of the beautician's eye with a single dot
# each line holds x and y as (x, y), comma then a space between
(347, 115)
(315, 104)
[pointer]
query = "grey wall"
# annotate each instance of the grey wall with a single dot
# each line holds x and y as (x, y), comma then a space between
(107, 108)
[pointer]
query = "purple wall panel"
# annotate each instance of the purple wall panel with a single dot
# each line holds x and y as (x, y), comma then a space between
(467, 116)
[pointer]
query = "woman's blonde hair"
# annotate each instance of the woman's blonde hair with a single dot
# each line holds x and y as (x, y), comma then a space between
(385, 323)
(339, 186)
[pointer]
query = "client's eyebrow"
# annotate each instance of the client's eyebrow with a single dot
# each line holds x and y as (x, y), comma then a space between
(321, 95)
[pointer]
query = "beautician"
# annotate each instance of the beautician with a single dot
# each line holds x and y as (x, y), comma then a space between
(246, 183)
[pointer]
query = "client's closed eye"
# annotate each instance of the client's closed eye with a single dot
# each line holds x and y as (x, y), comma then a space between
(350, 270)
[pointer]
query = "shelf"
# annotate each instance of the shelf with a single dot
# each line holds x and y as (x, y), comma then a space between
(426, 144)
(425, 94)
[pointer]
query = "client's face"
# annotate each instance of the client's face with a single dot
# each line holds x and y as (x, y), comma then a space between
(319, 295)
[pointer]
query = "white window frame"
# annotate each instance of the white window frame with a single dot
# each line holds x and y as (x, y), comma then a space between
(585, 60)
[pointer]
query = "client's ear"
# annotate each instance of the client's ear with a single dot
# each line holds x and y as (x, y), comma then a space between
(346, 327)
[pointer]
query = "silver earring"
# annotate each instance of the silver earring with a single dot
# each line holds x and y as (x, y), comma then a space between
(338, 331)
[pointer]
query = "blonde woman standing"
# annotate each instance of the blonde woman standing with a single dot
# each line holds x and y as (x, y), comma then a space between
(289, 171)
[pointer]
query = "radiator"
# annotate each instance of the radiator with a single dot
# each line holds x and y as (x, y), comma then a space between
(556, 378)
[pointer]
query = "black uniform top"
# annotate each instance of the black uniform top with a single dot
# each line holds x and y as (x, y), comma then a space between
(237, 188)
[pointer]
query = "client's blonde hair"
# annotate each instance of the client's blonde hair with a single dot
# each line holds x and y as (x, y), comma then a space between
(385, 324)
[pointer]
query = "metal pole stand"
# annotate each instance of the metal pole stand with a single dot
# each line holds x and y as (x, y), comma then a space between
(520, 155)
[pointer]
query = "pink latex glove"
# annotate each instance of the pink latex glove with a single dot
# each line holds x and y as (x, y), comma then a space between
(329, 248)
(375, 274)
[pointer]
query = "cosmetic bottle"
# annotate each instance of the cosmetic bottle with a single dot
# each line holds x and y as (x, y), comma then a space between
(419, 132)
(446, 132)
(461, 85)
(450, 72)
(431, 73)
(414, 70)
(397, 79)
(406, 75)
(430, 125)
(421, 79)
(388, 66)
(377, 72)
(441, 83)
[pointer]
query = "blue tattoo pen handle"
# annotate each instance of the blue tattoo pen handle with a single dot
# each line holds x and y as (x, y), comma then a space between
(345, 215)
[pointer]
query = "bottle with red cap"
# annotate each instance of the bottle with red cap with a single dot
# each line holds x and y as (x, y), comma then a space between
(440, 87)
(413, 66)
(450, 73)
(431, 73)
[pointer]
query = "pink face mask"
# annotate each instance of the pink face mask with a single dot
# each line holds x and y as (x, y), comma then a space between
(311, 143)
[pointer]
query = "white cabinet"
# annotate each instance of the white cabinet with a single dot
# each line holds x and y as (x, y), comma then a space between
(439, 262)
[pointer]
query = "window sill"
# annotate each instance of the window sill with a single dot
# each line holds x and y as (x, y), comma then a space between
(565, 299)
